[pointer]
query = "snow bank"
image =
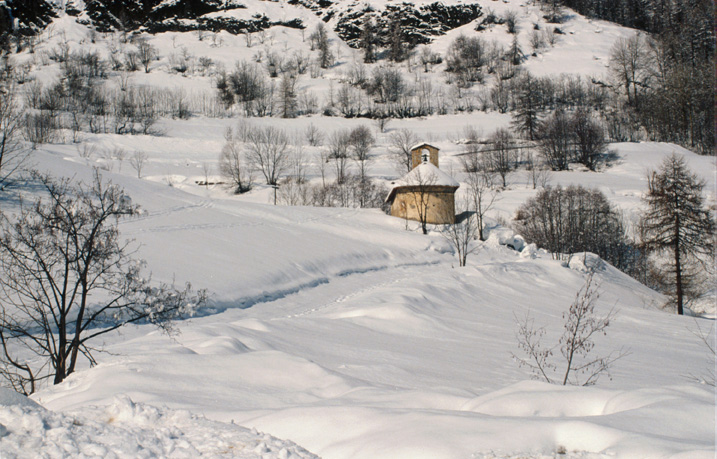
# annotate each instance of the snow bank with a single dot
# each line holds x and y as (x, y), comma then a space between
(127, 429)
(500, 235)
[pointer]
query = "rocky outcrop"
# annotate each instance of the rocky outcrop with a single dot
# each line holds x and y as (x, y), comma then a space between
(30, 16)
(257, 23)
(176, 16)
(419, 24)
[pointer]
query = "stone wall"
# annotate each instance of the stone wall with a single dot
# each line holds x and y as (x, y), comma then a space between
(439, 201)
(418, 152)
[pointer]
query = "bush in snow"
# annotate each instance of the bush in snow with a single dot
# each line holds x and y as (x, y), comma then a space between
(578, 366)
(233, 166)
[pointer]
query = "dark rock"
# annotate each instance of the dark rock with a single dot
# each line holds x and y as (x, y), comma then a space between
(32, 15)
(419, 25)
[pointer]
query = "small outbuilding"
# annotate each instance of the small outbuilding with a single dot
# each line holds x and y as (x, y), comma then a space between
(426, 194)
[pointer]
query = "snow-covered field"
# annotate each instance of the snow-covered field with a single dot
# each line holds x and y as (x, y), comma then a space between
(340, 333)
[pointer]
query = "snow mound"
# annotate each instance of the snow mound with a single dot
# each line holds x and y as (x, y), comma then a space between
(529, 251)
(540, 399)
(586, 261)
(501, 235)
(9, 397)
(128, 429)
(390, 318)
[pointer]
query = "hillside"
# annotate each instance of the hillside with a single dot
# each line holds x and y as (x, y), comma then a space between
(339, 330)
(342, 332)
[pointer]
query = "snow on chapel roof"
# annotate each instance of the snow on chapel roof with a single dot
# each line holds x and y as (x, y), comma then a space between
(425, 174)
(422, 144)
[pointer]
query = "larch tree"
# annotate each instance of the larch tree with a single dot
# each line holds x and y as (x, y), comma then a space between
(528, 107)
(368, 41)
(676, 224)
(320, 41)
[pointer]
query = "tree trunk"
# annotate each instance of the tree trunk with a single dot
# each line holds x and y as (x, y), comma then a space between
(61, 357)
(61, 363)
(678, 272)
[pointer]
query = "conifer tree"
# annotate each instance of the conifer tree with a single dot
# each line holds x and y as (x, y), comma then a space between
(528, 109)
(368, 41)
(677, 224)
(396, 39)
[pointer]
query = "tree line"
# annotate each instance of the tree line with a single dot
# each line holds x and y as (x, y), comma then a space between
(673, 244)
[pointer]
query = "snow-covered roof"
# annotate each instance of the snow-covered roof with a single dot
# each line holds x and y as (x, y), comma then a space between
(423, 144)
(425, 174)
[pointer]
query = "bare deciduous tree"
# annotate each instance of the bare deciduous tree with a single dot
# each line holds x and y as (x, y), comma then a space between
(511, 21)
(314, 135)
(207, 171)
(67, 280)
(120, 155)
(481, 194)
(555, 141)
(501, 154)
(146, 112)
(539, 175)
(629, 65)
(574, 219)
(293, 192)
(322, 159)
(400, 143)
(268, 152)
(360, 142)
(590, 143)
(137, 161)
(420, 187)
(462, 234)
(231, 165)
(339, 153)
(146, 53)
(579, 367)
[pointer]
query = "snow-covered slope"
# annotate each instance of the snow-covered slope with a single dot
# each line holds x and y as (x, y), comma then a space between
(583, 47)
(342, 332)
(345, 331)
